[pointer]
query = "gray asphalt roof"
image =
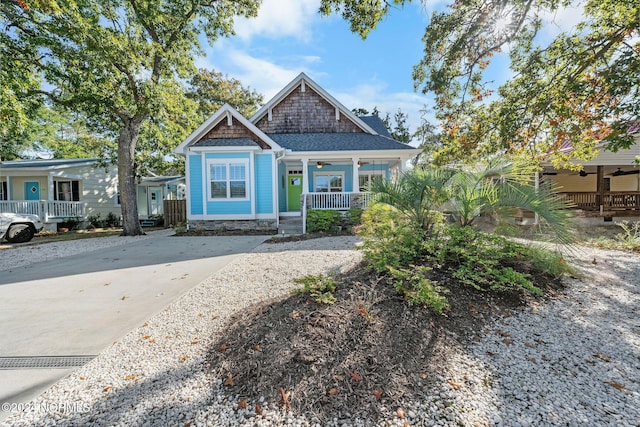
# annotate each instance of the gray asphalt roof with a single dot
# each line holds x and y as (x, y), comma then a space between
(158, 179)
(336, 142)
(376, 124)
(226, 142)
(43, 163)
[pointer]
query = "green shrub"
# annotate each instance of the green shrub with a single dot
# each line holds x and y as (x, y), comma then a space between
(72, 223)
(354, 216)
(95, 220)
(481, 260)
(547, 262)
(323, 220)
(320, 288)
(389, 239)
(112, 220)
(417, 288)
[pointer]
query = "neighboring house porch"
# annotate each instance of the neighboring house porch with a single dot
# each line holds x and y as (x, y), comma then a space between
(607, 186)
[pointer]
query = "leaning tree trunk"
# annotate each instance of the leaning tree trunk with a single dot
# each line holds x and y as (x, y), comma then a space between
(127, 141)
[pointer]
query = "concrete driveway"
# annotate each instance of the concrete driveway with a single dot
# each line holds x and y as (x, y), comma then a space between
(78, 305)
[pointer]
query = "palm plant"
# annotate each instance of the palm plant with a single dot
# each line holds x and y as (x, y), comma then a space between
(418, 194)
(495, 188)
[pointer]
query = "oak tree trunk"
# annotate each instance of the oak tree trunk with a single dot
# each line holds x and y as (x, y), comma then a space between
(127, 185)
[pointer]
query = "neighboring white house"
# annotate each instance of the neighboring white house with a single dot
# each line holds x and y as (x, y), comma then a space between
(61, 189)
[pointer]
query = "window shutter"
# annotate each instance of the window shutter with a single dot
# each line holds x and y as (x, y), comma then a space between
(75, 191)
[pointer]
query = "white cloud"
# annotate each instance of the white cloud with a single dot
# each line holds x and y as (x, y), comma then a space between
(265, 75)
(375, 94)
(279, 19)
(562, 20)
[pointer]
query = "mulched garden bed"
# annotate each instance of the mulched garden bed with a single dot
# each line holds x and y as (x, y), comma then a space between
(360, 357)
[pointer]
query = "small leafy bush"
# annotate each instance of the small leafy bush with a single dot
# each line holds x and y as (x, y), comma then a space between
(95, 221)
(112, 220)
(390, 241)
(72, 223)
(323, 220)
(481, 260)
(413, 283)
(354, 216)
(320, 288)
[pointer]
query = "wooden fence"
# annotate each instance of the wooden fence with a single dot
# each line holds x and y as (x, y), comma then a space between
(175, 212)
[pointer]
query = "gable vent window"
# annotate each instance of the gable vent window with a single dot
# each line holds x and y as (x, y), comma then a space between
(66, 191)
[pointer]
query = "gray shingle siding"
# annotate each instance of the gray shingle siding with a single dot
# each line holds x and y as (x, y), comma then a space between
(227, 142)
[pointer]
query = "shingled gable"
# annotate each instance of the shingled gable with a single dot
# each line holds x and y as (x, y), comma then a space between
(227, 128)
(304, 107)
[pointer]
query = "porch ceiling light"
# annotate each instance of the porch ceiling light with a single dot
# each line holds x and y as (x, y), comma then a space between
(319, 164)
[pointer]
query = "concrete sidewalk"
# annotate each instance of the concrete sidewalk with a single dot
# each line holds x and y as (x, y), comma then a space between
(78, 305)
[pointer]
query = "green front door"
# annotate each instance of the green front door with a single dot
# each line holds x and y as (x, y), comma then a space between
(294, 190)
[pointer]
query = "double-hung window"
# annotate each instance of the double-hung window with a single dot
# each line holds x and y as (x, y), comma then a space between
(228, 179)
(328, 182)
(67, 191)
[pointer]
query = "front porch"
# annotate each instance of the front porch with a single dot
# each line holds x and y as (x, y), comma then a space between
(607, 204)
(600, 191)
(49, 211)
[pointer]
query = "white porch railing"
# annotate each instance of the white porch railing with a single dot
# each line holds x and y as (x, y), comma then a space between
(45, 209)
(338, 201)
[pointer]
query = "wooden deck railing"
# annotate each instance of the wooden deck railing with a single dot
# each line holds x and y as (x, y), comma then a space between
(45, 209)
(611, 200)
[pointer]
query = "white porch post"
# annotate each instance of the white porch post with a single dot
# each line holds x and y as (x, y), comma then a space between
(50, 187)
(305, 187)
(305, 176)
(356, 181)
(403, 164)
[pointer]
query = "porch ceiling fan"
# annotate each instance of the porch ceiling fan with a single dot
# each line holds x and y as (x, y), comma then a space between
(620, 172)
(321, 164)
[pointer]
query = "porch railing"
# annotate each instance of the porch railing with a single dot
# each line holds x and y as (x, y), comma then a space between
(611, 200)
(45, 209)
(338, 201)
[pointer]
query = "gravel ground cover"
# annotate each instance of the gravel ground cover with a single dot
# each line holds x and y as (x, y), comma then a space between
(574, 360)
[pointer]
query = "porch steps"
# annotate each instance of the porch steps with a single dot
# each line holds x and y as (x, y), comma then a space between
(290, 225)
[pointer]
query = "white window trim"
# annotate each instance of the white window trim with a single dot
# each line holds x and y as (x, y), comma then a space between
(371, 174)
(227, 162)
(328, 173)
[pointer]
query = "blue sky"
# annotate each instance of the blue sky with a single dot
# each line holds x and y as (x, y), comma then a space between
(290, 36)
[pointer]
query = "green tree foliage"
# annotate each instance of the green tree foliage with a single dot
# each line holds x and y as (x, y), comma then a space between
(211, 90)
(578, 90)
(16, 81)
(396, 125)
(120, 63)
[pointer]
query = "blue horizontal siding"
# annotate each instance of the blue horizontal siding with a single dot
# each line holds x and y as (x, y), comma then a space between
(264, 183)
(195, 184)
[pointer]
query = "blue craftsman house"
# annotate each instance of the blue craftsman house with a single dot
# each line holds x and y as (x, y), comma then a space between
(302, 150)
